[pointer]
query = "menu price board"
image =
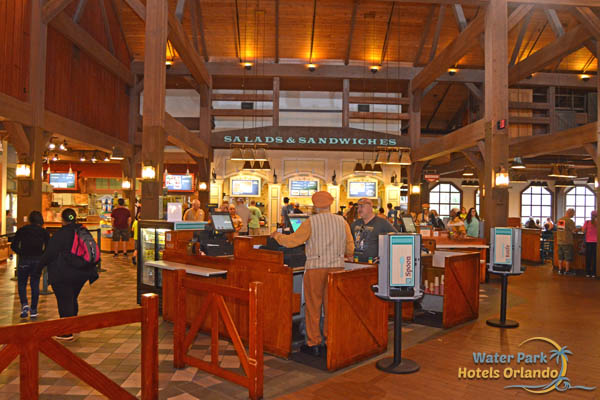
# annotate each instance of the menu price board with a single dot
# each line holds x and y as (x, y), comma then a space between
(179, 183)
(303, 188)
(245, 187)
(362, 189)
(63, 180)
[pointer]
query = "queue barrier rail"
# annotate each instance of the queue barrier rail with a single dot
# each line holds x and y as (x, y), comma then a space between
(28, 340)
(252, 361)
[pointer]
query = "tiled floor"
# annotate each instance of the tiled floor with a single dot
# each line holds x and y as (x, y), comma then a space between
(115, 351)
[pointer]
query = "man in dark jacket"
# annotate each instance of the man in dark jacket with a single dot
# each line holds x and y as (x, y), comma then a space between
(29, 244)
(66, 280)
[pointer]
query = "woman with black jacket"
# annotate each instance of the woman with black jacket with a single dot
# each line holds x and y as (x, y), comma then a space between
(29, 243)
(66, 280)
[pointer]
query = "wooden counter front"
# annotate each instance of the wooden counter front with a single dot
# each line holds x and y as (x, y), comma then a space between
(578, 263)
(442, 242)
(530, 245)
(357, 320)
(247, 265)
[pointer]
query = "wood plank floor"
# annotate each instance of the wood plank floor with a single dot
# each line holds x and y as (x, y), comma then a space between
(565, 309)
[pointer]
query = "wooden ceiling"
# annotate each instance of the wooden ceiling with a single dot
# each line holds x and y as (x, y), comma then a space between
(410, 25)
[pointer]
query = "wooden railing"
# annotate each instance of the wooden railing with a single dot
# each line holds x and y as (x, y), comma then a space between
(214, 305)
(26, 340)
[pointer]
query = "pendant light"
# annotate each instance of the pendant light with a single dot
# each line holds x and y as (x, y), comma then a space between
(377, 169)
(518, 163)
(368, 167)
(358, 167)
(468, 171)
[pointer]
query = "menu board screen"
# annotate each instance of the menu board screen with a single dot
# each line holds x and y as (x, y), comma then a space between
(245, 187)
(303, 188)
(362, 189)
(179, 183)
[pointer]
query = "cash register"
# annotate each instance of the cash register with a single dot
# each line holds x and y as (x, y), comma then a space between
(213, 241)
(295, 256)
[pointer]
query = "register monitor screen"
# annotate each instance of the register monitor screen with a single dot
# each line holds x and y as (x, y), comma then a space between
(409, 225)
(222, 222)
(296, 221)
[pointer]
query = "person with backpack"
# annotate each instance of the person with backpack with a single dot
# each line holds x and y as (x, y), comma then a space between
(71, 257)
(29, 244)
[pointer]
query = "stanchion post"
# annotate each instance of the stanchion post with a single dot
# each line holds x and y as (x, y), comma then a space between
(502, 322)
(150, 346)
(395, 364)
(45, 290)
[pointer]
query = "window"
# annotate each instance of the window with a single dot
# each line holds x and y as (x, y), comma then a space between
(477, 201)
(583, 200)
(444, 197)
(536, 203)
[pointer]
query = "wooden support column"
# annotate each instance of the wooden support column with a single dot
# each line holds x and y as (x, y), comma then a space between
(414, 133)
(275, 102)
(128, 166)
(551, 99)
(30, 191)
(4, 180)
(346, 103)
(203, 174)
(597, 159)
(495, 200)
(153, 134)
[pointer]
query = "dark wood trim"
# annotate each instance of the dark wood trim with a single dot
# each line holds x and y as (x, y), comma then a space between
(79, 11)
(277, 31)
(276, 101)
(387, 35)
(528, 106)
(378, 100)
(52, 8)
(109, 40)
(438, 29)
(352, 23)
(424, 35)
(379, 115)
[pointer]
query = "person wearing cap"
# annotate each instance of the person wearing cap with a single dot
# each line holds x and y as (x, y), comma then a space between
(591, 234)
(423, 216)
(456, 226)
(366, 230)
(564, 238)
(328, 240)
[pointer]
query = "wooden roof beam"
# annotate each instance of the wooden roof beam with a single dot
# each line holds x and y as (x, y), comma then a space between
(568, 43)
(387, 35)
(185, 139)
(111, 45)
(79, 36)
(52, 8)
(458, 140)
(590, 20)
(78, 132)
(185, 49)
(198, 27)
(79, 11)
(438, 29)
(546, 144)
(451, 54)
(424, 35)
(519, 42)
(17, 137)
(352, 24)
(13, 109)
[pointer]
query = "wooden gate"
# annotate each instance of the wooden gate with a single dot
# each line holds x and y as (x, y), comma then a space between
(215, 306)
(27, 340)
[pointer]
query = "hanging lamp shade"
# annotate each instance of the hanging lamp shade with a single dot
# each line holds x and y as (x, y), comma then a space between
(266, 165)
(247, 165)
(394, 158)
(555, 172)
(256, 165)
(377, 169)
(236, 154)
(518, 163)
(405, 158)
(566, 183)
(468, 171)
(368, 168)
(381, 158)
(358, 167)
(470, 183)
(260, 154)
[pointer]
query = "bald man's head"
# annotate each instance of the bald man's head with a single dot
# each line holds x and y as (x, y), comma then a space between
(196, 204)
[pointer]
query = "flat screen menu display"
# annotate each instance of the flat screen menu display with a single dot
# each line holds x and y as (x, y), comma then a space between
(179, 183)
(63, 180)
(303, 188)
(245, 187)
(362, 189)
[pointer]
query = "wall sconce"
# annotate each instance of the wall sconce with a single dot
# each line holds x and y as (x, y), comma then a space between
(415, 189)
(274, 176)
(333, 178)
(202, 186)
(126, 184)
(502, 179)
(148, 172)
(23, 171)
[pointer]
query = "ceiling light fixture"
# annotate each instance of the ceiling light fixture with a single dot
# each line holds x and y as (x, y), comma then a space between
(518, 163)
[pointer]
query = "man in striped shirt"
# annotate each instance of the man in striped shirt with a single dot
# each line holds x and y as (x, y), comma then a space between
(328, 240)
